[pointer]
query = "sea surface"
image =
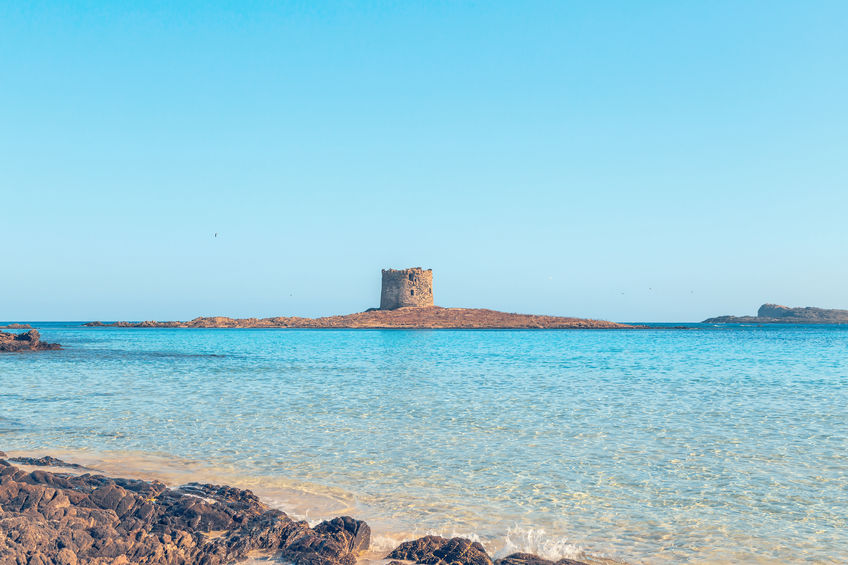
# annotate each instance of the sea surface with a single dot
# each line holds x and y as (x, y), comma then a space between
(703, 445)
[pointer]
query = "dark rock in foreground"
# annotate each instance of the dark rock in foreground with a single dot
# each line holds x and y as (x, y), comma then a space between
(49, 518)
(58, 518)
(776, 314)
(436, 550)
(27, 341)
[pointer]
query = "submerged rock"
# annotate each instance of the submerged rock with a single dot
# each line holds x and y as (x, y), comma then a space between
(59, 518)
(530, 559)
(46, 461)
(27, 341)
(436, 550)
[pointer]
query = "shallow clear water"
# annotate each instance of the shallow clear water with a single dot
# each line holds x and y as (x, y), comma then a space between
(702, 445)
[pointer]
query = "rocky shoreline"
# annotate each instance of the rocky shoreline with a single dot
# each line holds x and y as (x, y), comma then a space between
(27, 341)
(777, 314)
(424, 317)
(74, 517)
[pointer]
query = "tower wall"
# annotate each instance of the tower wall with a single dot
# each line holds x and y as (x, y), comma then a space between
(406, 287)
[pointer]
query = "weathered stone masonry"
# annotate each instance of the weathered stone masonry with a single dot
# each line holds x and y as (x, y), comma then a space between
(406, 287)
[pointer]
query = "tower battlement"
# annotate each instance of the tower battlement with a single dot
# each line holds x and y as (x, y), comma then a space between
(406, 287)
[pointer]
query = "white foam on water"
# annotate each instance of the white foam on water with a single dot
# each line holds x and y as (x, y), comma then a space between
(383, 544)
(454, 533)
(518, 539)
(535, 540)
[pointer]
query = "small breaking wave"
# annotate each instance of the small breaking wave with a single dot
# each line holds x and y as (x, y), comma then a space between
(535, 540)
(519, 539)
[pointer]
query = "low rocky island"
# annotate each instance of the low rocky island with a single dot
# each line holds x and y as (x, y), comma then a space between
(16, 327)
(406, 302)
(777, 314)
(63, 516)
(27, 341)
(415, 317)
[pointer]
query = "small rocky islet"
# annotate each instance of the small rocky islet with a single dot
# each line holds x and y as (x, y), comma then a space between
(50, 517)
(406, 302)
(417, 317)
(26, 341)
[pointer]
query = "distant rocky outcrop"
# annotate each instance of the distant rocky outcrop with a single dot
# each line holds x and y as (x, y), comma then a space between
(777, 314)
(426, 317)
(27, 341)
(406, 301)
(16, 327)
(147, 324)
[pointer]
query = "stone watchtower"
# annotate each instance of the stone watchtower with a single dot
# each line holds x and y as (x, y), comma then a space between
(406, 287)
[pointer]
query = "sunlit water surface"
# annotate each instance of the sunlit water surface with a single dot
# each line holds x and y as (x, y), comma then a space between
(707, 445)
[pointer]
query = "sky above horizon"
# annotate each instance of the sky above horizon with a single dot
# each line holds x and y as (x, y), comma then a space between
(632, 161)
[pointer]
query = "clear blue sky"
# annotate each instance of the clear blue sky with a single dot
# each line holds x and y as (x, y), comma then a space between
(621, 160)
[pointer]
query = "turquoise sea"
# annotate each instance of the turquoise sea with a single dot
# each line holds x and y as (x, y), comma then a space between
(705, 445)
